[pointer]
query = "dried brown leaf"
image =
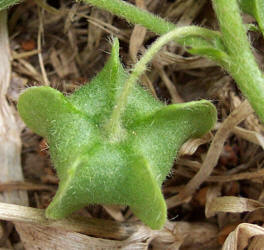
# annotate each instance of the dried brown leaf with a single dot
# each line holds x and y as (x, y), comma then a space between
(250, 136)
(232, 204)
(192, 235)
(115, 212)
(34, 225)
(256, 243)
(225, 232)
(37, 237)
(94, 227)
(189, 147)
(241, 237)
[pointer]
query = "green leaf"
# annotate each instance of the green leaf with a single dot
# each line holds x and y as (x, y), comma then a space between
(210, 47)
(203, 42)
(252, 27)
(95, 170)
(247, 6)
(4, 4)
(214, 54)
(256, 9)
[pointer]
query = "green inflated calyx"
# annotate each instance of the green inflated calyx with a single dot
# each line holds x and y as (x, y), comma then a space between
(95, 169)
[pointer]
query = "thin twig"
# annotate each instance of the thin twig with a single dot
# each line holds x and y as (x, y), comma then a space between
(41, 63)
(20, 185)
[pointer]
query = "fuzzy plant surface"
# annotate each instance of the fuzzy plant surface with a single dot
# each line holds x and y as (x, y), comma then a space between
(100, 163)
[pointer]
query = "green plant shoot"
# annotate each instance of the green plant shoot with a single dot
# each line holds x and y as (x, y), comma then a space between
(112, 142)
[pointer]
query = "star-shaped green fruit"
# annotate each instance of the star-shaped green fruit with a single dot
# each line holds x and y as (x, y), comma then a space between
(92, 168)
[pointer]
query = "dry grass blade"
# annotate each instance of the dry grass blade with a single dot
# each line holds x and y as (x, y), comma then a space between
(191, 11)
(19, 185)
(241, 238)
(211, 194)
(94, 227)
(136, 42)
(138, 35)
(250, 136)
(37, 237)
(186, 235)
(34, 225)
(47, 7)
(237, 116)
(189, 147)
(175, 97)
(41, 63)
(95, 34)
(24, 54)
(237, 177)
(114, 212)
(10, 146)
(232, 204)
(165, 58)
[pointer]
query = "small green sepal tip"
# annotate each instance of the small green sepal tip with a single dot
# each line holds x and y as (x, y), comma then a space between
(94, 169)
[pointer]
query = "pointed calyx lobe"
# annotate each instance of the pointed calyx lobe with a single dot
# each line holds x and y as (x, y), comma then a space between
(93, 169)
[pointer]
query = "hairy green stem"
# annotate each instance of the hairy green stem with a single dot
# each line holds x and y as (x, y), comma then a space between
(114, 127)
(243, 67)
(134, 15)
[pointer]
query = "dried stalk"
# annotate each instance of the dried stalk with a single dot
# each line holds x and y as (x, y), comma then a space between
(95, 227)
(37, 228)
(10, 146)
